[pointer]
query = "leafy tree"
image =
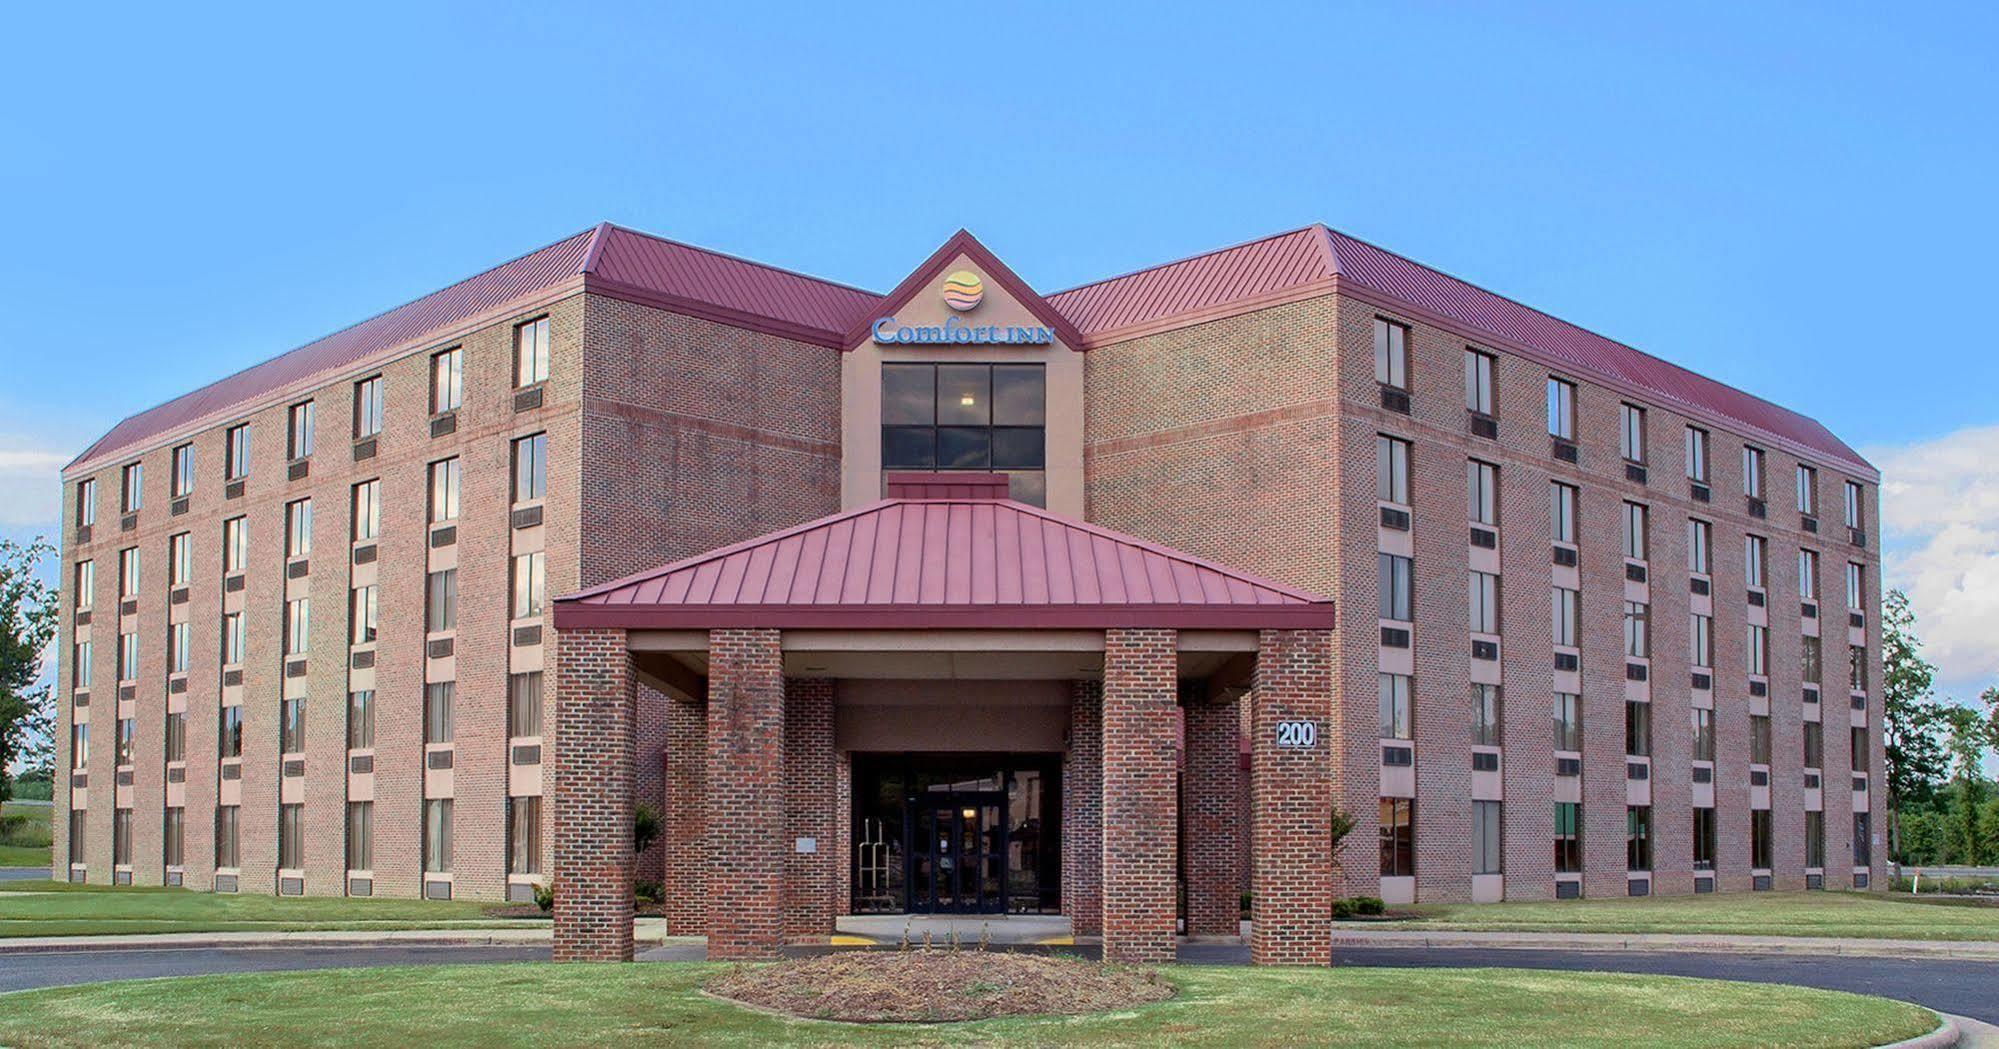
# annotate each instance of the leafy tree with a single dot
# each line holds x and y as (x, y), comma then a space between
(27, 623)
(1913, 738)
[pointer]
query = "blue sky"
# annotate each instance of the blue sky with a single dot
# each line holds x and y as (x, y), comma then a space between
(1795, 200)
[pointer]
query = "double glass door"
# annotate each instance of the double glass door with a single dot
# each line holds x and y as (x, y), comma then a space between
(958, 856)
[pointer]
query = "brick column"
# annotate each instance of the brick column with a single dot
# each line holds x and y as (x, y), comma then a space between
(1291, 828)
(843, 833)
(811, 794)
(745, 787)
(1083, 810)
(686, 817)
(1140, 796)
(594, 701)
(1212, 812)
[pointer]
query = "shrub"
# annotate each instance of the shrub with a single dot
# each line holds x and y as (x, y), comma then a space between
(648, 891)
(1368, 905)
(1342, 909)
(645, 827)
(544, 897)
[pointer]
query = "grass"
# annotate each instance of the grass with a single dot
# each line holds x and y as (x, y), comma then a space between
(548, 1005)
(25, 835)
(1847, 914)
(46, 908)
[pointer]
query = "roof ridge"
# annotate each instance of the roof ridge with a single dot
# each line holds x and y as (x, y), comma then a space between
(736, 258)
(1184, 258)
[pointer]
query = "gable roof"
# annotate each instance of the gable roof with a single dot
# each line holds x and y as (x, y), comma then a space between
(963, 243)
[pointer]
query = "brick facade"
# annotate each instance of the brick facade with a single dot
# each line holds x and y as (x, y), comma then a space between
(745, 795)
(594, 744)
(1211, 816)
(1291, 795)
(1140, 797)
(810, 792)
(1083, 810)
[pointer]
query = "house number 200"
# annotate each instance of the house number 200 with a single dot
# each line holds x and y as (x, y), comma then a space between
(1297, 734)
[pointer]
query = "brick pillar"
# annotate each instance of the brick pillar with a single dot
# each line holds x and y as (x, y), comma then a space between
(1212, 810)
(1083, 810)
(1140, 796)
(686, 817)
(649, 731)
(843, 832)
(745, 787)
(594, 701)
(811, 796)
(1292, 802)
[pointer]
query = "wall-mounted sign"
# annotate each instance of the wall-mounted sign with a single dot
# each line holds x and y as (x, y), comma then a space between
(1299, 734)
(963, 291)
(954, 332)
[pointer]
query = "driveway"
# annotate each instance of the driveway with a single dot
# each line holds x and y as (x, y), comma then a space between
(23, 873)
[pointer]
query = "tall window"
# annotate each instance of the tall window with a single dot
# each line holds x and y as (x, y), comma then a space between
(531, 352)
(122, 742)
(444, 491)
(1482, 492)
(1759, 650)
(1759, 739)
(1568, 722)
(447, 381)
(1484, 590)
(128, 572)
(438, 698)
(1391, 469)
(121, 837)
(1706, 840)
(1696, 454)
(1637, 630)
(1567, 606)
(179, 647)
(1857, 740)
(176, 736)
(1638, 837)
(524, 834)
(232, 638)
(1637, 530)
(79, 745)
(524, 704)
(968, 417)
(1856, 586)
(1703, 725)
(1568, 837)
(1397, 719)
(181, 481)
(298, 431)
(363, 615)
(86, 503)
(79, 670)
(1562, 511)
(528, 585)
(1759, 839)
(1814, 838)
(291, 837)
(229, 732)
(1752, 472)
(1814, 745)
(1394, 586)
(1853, 510)
(1808, 575)
(298, 626)
(361, 719)
(1753, 549)
(441, 601)
(128, 657)
(226, 851)
(1478, 382)
(1486, 730)
(1398, 837)
(360, 835)
(132, 487)
(367, 510)
(530, 468)
(236, 452)
(368, 407)
(1561, 409)
(173, 837)
(1701, 638)
(1637, 729)
(1391, 354)
(1808, 490)
(1811, 660)
(1700, 535)
(291, 726)
(86, 584)
(1856, 668)
(298, 528)
(1863, 841)
(437, 835)
(1486, 854)
(1631, 435)
(180, 559)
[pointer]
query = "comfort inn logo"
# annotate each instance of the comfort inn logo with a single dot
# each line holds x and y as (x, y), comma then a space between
(963, 291)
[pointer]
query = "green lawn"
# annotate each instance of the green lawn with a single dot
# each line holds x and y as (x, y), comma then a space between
(24, 835)
(46, 908)
(1852, 914)
(658, 1004)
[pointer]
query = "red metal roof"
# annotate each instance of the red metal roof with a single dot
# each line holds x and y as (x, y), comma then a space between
(944, 562)
(1248, 274)
(725, 288)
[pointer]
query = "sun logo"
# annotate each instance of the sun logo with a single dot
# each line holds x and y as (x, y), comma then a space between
(963, 291)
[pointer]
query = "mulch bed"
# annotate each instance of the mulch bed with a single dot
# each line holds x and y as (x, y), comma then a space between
(937, 985)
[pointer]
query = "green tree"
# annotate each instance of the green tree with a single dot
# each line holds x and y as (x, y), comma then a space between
(1966, 742)
(27, 624)
(1913, 737)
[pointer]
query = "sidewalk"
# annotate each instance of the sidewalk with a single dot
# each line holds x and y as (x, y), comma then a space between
(648, 932)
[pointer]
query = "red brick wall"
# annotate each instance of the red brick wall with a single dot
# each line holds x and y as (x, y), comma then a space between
(686, 814)
(811, 793)
(1211, 814)
(745, 789)
(1082, 810)
(1140, 795)
(593, 820)
(1291, 798)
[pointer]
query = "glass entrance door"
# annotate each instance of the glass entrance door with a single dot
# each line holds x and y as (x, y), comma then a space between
(958, 855)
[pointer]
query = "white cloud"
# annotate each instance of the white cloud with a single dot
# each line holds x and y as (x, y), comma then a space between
(1940, 509)
(30, 483)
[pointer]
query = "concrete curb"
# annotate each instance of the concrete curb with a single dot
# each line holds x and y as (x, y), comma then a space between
(523, 937)
(1960, 950)
(1945, 1036)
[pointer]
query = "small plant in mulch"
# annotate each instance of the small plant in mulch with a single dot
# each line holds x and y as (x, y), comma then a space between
(936, 985)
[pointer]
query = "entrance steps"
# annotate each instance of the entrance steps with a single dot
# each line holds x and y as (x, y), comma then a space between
(969, 929)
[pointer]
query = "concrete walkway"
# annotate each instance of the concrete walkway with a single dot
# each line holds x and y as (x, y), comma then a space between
(997, 929)
(647, 932)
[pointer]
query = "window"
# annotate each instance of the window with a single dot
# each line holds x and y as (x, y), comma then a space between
(80, 668)
(1561, 409)
(1758, 650)
(121, 743)
(1808, 490)
(524, 834)
(1478, 382)
(1759, 739)
(1484, 588)
(530, 468)
(1752, 472)
(79, 746)
(86, 584)
(1391, 354)
(225, 836)
(298, 626)
(361, 719)
(1566, 608)
(1858, 742)
(1815, 839)
(1703, 720)
(1631, 437)
(1701, 640)
(524, 704)
(1394, 586)
(1753, 548)
(236, 452)
(367, 510)
(298, 528)
(121, 837)
(229, 733)
(368, 407)
(1700, 536)
(1485, 838)
(968, 417)
(1811, 661)
(128, 657)
(1637, 630)
(360, 835)
(447, 381)
(128, 572)
(177, 736)
(180, 559)
(232, 638)
(1863, 840)
(1391, 469)
(132, 489)
(298, 431)
(1705, 839)
(77, 819)
(1397, 719)
(291, 726)
(1759, 839)
(1637, 729)
(528, 584)
(1485, 727)
(1856, 586)
(173, 843)
(438, 697)
(235, 545)
(1398, 837)
(1638, 837)
(1562, 511)
(1814, 745)
(1856, 668)
(179, 647)
(444, 491)
(1482, 492)
(1808, 575)
(181, 481)
(531, 352)
(1637, 529)
(1568, 837)
(1852, 504)
(437, 835)
(291, 837)
(441, 601)
(86, 503)
(1568, 722)
(1696, 454)
(362, 615)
